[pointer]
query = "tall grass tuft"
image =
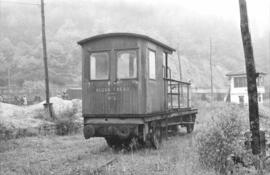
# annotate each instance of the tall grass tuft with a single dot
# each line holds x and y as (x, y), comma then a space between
(222, 137)
(66, 124)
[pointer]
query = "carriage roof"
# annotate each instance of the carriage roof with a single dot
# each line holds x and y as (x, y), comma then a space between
(134, 35)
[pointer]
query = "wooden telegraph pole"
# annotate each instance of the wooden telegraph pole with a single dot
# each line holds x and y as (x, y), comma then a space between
(251, 80)
(211, 69)
(179, 63)
(180, 71)
(47, 105)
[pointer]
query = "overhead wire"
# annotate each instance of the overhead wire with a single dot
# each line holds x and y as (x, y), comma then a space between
(19, 3)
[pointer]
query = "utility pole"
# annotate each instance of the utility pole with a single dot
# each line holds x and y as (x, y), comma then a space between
(8, 78)
(251, 80)
(47, 105)
(179, 63)
(0, 19)
(211, 70)
(180, 71)
(268, 55)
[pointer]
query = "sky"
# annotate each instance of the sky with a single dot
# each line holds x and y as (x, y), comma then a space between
(258, 10)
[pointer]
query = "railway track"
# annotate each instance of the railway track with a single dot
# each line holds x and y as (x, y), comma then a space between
(99, 169)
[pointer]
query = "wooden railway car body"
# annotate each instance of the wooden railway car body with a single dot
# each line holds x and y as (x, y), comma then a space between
(127, 90)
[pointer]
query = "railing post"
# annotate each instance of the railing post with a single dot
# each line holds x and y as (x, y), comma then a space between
(171, 94)
(188, 96)
(165, 86)
(178, 94)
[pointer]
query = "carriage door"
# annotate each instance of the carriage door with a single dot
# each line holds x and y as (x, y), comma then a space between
(99, 82)
(114, 82)
(112, 95)
(124, 82)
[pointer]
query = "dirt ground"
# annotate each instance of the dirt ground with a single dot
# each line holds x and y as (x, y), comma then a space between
(23, 117)
(75, 155)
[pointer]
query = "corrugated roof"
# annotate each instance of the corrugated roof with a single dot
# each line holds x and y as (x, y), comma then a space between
(107, 35)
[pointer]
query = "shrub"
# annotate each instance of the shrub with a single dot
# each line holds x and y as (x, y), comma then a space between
(34, 170)
(5, 132)
(222, 137)
(67, 127)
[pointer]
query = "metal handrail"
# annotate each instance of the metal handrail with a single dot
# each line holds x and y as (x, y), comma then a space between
(171, 85)
(177, 81)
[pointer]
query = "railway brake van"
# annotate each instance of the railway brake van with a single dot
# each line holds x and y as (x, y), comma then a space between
(128, 92)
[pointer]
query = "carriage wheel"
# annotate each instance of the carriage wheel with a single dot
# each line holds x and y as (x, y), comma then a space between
(190, 128)
(156, 138)
(113, 142)
(117, 143)
(174, 129)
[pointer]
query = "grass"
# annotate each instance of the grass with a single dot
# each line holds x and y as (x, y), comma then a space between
(59, 155)
(73, 155)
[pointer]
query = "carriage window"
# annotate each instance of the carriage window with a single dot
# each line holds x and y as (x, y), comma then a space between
(164, 64)
(152, 64)
(126, 64)
(164, 58)
(99, 66)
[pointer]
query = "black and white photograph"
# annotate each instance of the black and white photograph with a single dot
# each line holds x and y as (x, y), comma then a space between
(134, 87)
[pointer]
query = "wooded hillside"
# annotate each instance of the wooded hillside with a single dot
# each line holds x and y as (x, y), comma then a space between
(67, 22)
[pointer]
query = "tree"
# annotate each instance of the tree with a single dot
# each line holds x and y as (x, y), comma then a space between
(7, 49)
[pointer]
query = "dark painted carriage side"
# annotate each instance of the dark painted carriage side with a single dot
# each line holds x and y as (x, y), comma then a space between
(126, 88)
(136, 95)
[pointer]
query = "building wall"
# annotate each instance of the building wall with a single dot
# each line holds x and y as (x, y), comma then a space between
(237, 93)
(235, 98)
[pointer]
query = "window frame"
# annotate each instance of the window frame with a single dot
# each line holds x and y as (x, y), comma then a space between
(116, 62)
(164, 68)
(152, 50)
(260, 81)
(260, 97)
(240, 82)
(109, 63)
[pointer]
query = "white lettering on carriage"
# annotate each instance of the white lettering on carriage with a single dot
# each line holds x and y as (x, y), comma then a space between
(115, 89)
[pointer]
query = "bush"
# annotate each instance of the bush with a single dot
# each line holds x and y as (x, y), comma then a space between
(66, 124)
(222, 137)
(67, 127)
(5, 132)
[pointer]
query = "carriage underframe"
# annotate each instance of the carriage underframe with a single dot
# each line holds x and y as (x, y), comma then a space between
(147, 129)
